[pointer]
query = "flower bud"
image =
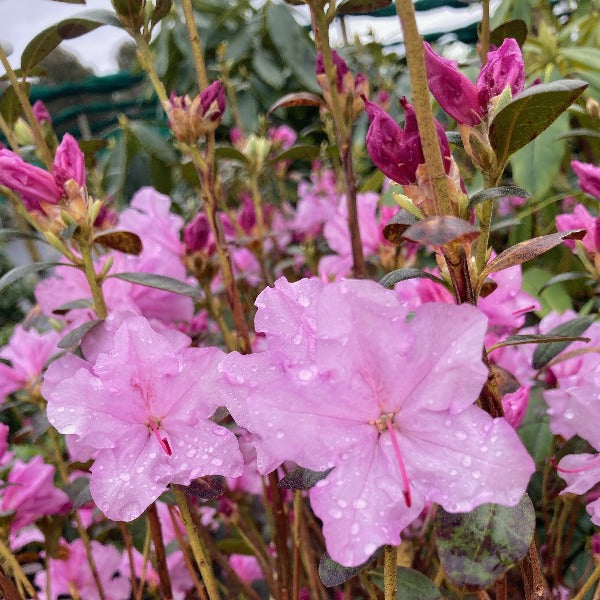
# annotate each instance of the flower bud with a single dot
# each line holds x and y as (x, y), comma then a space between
(504, 68)
(69, 162)
(34, 185)
(208, 108)
(588, 176)
(23, 132)
(40, 112)
(341, 72)
(177, 109)
(196, 233)
(515, 406)
(456, 94)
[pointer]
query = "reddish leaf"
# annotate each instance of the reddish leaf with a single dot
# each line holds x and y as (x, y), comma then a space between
(296, 99)
(439, 231)
(123, 241)
(398, 224)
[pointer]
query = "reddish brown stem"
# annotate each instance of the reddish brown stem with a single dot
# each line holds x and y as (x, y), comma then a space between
(280, 535)
(164, 581)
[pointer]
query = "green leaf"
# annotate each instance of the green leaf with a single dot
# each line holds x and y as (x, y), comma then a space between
(152, 141)
(160, 282)
(536, 166)
(516, 29)
(292, 45)
(23, 270)
(74, 337)
(529, 113)
(555, 298)
(79, 491)
(229, 152)
(562, 277)
(49, 39)
(584, 58)
(13, 233)
(302, 479)
(266, 67)
(67, 306)
(546, 352)
(304, 152)
(332, 573)
(476, 548)
(497, 192)
(579, 132)
(10, 107)
(410, 585)
(542, 338)
(535, 430)
(358, 7)
(391, 279)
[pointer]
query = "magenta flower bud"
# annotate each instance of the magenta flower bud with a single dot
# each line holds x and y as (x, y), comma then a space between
(515, 406)
(247, 218)
(456, 94)
(212, 102)
(69, 162)
(504, 67)
(595, 543)
(340, 66)
(40, 112)
(588, 176)
(34, 185)
(283, 135)
(196, 233)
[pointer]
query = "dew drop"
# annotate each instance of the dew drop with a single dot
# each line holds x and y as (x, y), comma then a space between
(304, 301)
(466, 461)
(355, 528)
(476, 474)
(305, 375)
(217, 462)
(360, 503)
(335, 513)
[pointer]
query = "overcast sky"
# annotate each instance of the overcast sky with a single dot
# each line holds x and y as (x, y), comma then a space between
(21, 20)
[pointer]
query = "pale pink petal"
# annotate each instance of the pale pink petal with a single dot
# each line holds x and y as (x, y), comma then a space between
(587, 475)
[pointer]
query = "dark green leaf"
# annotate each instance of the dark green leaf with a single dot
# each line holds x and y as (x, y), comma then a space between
(79, 492)
(535, 430)
(123, 241)
(22, 271)
(46, 41)
(10, 107)
(542, 338)
(527, 250)
(12, 234)
(332, 573)
(230, 153)
(529, 113)
(498, 192)
(302, 479)
(357, 7)
(580, 132)
(67, 306)
(304, 152)
(410, 585)
(391, 279)
(74, 337)
(476, 548)
(153, 142)
(292, 45)
(160, 282)
(161, 10)
(544, 353)
(266, 67)
(561, 277)
(516, 29)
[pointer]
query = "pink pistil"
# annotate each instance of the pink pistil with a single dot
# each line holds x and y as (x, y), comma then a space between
(405, 483)
(594, 463)
(522, 311)
(164, 443)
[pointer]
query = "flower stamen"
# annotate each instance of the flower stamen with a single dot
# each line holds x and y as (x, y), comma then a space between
(405, 482)
(164, 442)
(591, 465)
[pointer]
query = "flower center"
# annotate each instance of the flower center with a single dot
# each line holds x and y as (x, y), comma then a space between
(163, 441)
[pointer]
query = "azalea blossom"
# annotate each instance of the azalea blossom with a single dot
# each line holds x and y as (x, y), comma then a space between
(392, 401)
(588, 177)
(144, 403)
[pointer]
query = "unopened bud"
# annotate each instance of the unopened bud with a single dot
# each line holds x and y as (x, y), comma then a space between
(23, 133)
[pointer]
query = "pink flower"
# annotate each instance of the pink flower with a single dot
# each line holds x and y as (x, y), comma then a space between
(338, 236)
(588, 176)
(246, 567)
(317, 201)
(40, 112)
(515, 404)
(31, 493)
(456, 94)
(283, 136)
(196, 233)
(69, 162)
(212, 102)
(392, 400)
(34, 185)
(397, 152)
(582, 473)
(580, 218)
(73, 573)
(145, 404)
(28, 352)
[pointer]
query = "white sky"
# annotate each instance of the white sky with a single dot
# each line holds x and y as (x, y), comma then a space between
(21, 20)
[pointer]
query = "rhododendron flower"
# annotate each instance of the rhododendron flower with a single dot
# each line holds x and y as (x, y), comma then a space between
(72, 573)
(397, 152)
(317, 201)
(28, 351)
(588, 177)
(580, 218)
(465, 101)
(69, 162)
(392, 401)
(246, 567)
(40, 112)
(31, 493)
(145, 404)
